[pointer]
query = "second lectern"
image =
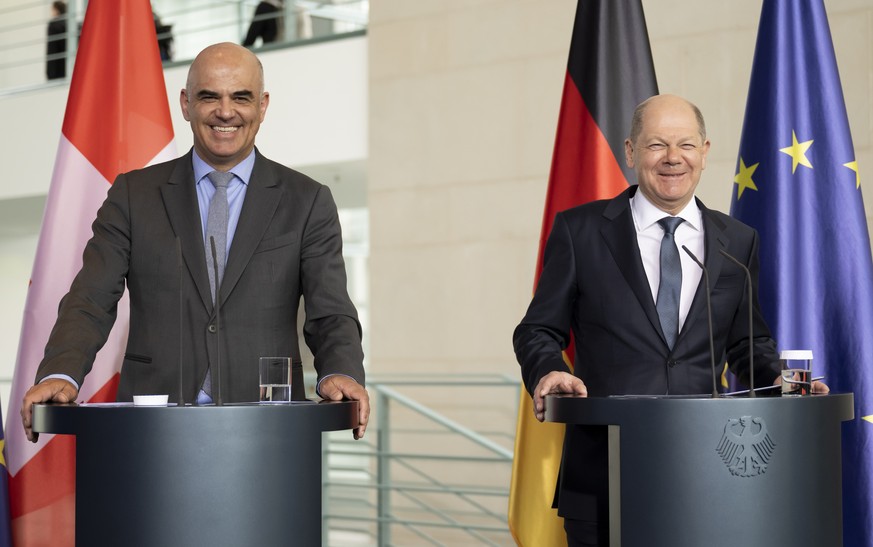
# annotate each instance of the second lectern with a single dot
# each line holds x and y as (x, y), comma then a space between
(687, 472)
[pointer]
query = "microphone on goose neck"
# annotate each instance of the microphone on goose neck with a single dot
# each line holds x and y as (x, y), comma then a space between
(181, 401)
(216, 385)
(709, 318)
(751, 331)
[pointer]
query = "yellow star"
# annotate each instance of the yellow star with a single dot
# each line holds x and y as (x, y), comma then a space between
(797, 151)
(868, 418)
(853, 165)
(2, 452)
(744, 178)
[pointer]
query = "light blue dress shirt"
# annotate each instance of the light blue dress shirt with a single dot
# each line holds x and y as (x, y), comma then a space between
(236, 193)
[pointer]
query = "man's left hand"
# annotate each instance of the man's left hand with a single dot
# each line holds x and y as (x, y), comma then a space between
(817, 386)
(338, 387)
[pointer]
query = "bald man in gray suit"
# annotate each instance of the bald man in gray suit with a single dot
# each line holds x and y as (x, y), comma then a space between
(283, 242)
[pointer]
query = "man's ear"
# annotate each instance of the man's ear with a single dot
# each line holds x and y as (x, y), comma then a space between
(265, 102)
(705, 152)
(183, 102)
(629, 153)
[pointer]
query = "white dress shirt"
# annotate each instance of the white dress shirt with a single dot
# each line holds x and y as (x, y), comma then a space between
(688, 233)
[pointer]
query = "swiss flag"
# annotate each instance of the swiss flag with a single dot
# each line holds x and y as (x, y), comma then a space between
(117, 119)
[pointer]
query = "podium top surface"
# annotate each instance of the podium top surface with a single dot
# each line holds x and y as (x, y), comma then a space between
(625, 409)
(75, 419)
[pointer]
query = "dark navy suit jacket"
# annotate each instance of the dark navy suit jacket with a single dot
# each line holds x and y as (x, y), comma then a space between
(593, 285)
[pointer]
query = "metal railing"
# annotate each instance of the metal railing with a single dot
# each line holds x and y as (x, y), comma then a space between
(422, 476)
(188, 26)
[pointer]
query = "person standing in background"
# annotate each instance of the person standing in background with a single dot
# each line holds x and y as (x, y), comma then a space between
(266, 23)
(165, 38)
(56, 44)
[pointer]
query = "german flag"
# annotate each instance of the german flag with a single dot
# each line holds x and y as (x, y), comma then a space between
(609, 72)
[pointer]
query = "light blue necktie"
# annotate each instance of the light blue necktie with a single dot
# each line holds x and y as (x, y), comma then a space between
(671, 281)
(216, 227)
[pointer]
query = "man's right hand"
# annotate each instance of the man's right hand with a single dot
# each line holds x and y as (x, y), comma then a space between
(55, 390)
(555, 383)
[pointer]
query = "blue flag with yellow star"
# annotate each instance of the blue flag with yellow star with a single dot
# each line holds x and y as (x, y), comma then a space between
(797, 183)
(5, 518)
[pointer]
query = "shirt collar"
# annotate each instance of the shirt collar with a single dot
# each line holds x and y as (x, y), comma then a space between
(646, 214)
(242, 170)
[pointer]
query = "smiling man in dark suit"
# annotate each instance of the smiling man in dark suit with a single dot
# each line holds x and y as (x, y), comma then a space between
(600, 283)
(283, 242)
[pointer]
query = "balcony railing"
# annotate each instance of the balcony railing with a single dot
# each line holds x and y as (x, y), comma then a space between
(433, 469)
(184, 27)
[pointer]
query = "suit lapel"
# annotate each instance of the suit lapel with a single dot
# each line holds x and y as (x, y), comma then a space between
(715, 239)
(261, 202)
(183, 210)
(617, 231)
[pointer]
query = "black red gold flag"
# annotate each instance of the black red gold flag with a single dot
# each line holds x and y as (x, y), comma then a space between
(609, 72)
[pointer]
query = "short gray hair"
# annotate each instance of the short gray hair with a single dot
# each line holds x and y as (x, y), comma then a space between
(637, 119)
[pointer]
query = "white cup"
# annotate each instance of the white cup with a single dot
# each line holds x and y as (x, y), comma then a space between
(150, 400)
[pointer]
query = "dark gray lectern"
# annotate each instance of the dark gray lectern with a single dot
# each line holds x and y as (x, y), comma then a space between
(240, 474)
(687, 472)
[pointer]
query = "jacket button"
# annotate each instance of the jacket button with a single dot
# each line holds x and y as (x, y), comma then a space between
(212, 329)
(672, 363)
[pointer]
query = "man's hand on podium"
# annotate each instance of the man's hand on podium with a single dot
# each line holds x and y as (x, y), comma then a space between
(338, 387)
(817, 385)
(54, 390)
(555, 383)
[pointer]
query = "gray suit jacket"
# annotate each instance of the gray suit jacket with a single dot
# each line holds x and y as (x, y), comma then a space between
(593, 284)
(287, 245)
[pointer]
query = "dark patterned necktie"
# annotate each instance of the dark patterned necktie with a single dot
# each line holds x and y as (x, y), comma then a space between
(671, 281)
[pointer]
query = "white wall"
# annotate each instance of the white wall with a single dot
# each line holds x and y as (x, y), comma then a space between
(317, 114)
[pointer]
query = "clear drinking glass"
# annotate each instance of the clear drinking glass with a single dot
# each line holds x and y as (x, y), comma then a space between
(275, 379)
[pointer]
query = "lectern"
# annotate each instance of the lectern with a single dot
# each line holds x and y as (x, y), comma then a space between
(239, 474)
(687, 472)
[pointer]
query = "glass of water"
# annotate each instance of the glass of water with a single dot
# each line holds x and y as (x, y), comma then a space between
(275, 379)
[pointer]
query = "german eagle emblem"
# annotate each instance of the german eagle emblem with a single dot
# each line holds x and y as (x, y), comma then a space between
(746, 447)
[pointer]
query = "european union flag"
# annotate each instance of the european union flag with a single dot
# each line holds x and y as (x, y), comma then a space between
(797, 182)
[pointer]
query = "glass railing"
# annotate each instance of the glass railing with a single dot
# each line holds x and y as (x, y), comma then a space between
(33, 54)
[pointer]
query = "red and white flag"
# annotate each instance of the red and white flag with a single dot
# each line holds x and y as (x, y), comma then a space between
(117, 119)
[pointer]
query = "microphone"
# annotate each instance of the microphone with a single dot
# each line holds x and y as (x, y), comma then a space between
(751, 334)
(216, 385)
(709, 317)
(181, 332)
